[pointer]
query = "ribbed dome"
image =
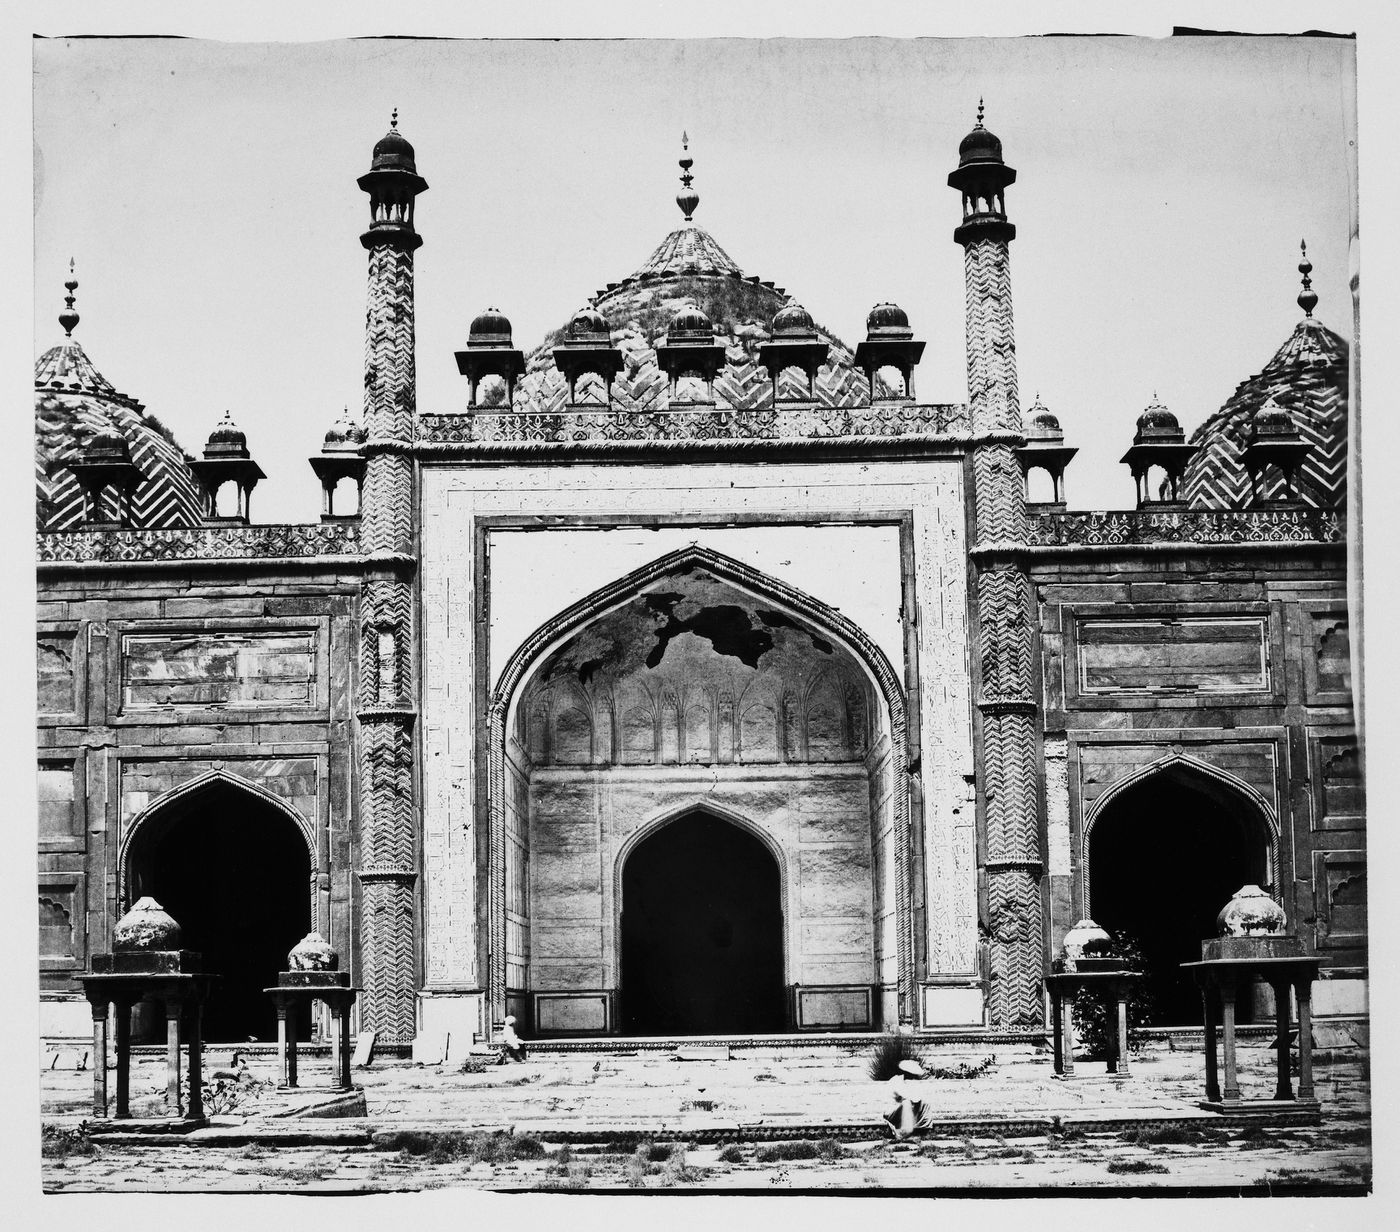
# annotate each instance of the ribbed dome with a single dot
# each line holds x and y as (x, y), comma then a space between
(392, 152)
(343, 436)
(226, 436)
(981, 145)
(588, 325)
(491, 328)
(1157, 421)
(887, 321)
(1042, 423)
(1272, 420)
(794, 321)
(690, 324)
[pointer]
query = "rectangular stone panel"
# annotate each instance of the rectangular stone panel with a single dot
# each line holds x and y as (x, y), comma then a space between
(834, 1008)
(210, 670)
(56, 676)
(1338, 786)
(57, 796)
(583, 941)
(834, 881)
(1198, 654)
(846, 937)
(1339, 887)
(562, 1015)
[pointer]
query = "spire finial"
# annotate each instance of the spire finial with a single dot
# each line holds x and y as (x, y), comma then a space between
(68, 318)
(687, 198)
(980, 109)
(1307, 297)
(394, 119)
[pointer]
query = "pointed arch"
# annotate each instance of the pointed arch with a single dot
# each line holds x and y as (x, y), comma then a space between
(201, 783)
(553, 633)
(1194, 772)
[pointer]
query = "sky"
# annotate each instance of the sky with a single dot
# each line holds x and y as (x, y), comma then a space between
(207, 192)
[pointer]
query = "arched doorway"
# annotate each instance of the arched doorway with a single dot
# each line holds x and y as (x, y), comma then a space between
(234, 871)
(1165, 855)
(702, 932)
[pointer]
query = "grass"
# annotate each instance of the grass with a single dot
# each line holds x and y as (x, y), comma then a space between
(964, 1070)
(805, 1148)
(887, 1053)
(448, 1145)
(1136, 1165)
(1172, 1135)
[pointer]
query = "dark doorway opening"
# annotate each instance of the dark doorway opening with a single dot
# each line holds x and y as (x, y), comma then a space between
(235, 874)
(702, 932)
(1164, 858)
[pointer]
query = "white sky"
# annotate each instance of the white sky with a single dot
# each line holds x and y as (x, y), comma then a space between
(208, 193)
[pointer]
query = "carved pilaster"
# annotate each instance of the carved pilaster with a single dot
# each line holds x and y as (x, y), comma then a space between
(387, 707)
(1005, 698)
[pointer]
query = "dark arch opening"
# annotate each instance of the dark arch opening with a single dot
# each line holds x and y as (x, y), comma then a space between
(702, 932)
(1164, 857)
(235, 873)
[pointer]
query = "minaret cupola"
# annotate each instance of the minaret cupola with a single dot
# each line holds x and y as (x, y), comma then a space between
(393, 183)
(982, 177)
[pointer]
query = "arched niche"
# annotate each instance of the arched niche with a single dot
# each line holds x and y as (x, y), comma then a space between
(1164, 850)
(705, 667)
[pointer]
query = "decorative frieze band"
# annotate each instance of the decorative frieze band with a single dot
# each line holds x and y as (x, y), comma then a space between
(1208, 526)
(202, 543)
(805, 422)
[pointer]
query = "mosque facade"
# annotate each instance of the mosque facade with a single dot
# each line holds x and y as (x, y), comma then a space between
(693, 677)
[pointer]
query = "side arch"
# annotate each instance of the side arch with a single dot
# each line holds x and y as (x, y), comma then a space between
(211, 779)
(554, 632)
(1194, 771)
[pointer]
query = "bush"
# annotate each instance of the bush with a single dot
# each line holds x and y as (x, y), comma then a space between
(1093, 1020)
(964, 1069)
(1171, 1135)
(732, 1154)
(887, 1053)
(55, 1142)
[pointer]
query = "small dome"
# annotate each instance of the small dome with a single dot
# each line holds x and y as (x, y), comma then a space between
(1157, 421)
(392, 152)
(887, 320)
(227, 438)
(312, 953)
(146, 927)
(690, 323)
(491, 328)
(792, 320)
(1251, 913)
(106, 447)
(588, 325)
(981, 145)
(1272, 421)
(344, 436)
(1042, 423)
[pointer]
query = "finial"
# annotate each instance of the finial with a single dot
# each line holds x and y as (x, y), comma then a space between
(394, 119)
(980, 109)
(68, 318)
(1307, 297)
(687, 198)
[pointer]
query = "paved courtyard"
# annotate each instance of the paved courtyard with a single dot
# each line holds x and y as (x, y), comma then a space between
(798, 1119)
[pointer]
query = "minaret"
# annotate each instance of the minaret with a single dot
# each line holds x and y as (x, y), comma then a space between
(388, 858)
(1009, 793)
